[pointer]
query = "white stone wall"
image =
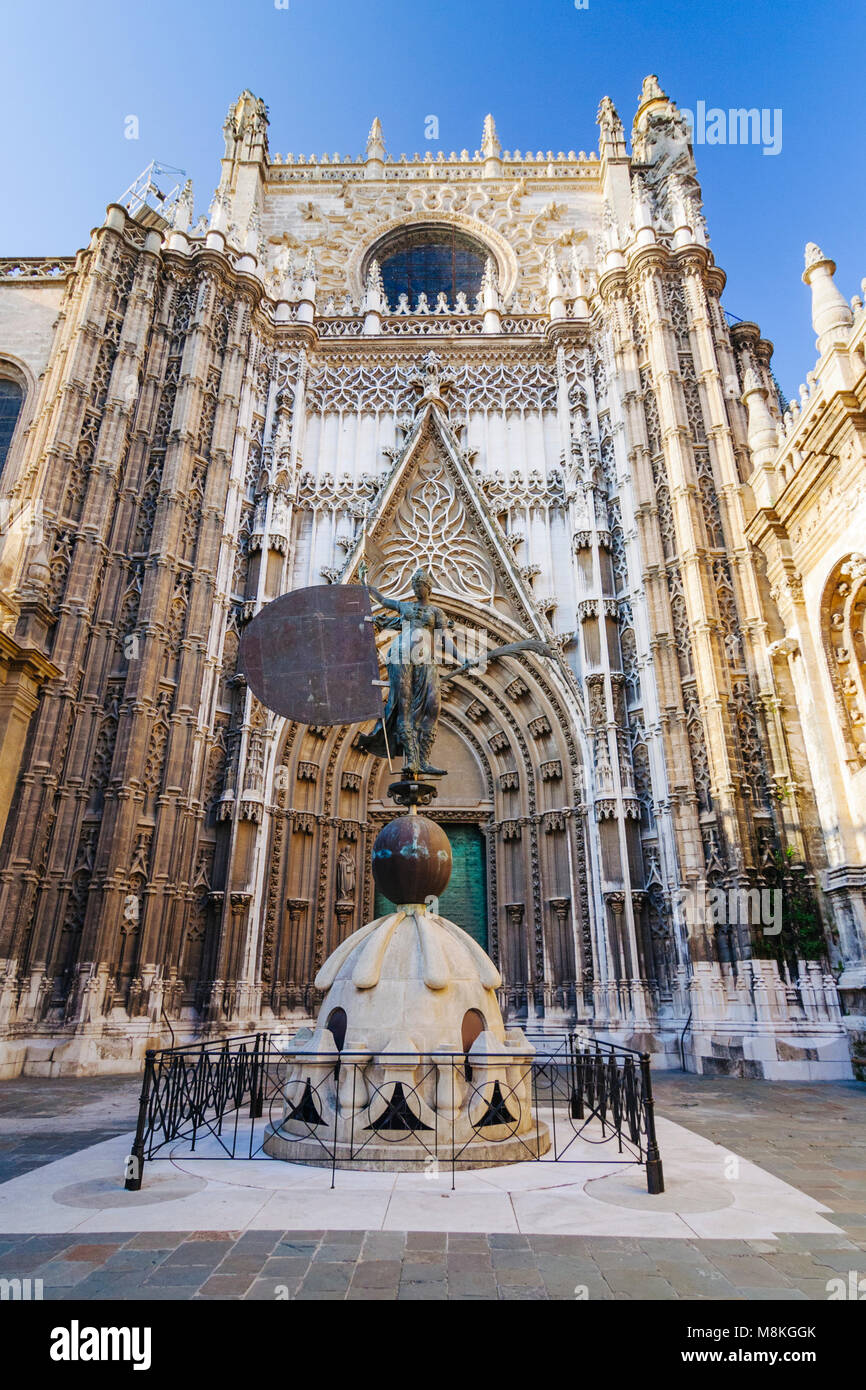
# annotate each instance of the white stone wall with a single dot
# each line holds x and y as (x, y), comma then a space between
(28, 317)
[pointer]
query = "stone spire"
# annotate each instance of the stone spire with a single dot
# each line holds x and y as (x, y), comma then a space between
(831, 314)
(245, 162)
(615, 179)
(555, 289)
(491, 149)
(375, 159)
(611, 133)
(374, 305)
(762, 429)
(642, 215)
(246, 129)
(660, 135)
(183, 210)
(309, 286)
(491, 304)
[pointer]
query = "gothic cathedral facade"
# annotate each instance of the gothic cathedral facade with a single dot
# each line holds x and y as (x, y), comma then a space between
(515, 367)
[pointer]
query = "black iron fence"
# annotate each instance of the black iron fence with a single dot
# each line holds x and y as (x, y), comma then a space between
(591, 1099)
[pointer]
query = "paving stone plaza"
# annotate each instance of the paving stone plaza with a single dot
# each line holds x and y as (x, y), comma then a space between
(812, 1137)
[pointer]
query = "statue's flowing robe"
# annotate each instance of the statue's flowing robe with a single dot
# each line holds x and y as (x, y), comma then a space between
(414, 694)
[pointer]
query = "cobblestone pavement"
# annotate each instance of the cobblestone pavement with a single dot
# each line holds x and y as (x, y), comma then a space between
(43, 1120)
(812, 1136)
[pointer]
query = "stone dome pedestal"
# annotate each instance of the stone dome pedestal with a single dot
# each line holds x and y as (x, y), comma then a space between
(410, 1065)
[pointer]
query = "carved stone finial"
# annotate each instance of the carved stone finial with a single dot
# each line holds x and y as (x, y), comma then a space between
(374, 291)
(183, 211)
(309, 277)
(609, 121)
(246, 128)
(641, 205)
(488, 298)
(376, 142)
(220, 211)
(490, 146)
(832, 316)
(612, 239)
(750, 381)
(431, 380)
(651, 91)
(761, 425)
(491, 150)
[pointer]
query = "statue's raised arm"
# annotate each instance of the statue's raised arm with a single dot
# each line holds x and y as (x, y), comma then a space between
(411, 716)
(386, 602)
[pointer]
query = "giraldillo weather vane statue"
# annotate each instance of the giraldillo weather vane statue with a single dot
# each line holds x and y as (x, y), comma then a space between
(411, 991)
(411, 716)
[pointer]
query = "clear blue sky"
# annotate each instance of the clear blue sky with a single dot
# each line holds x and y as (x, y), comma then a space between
(72, 72)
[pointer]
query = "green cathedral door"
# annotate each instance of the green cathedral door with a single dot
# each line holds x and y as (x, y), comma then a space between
(465, 899)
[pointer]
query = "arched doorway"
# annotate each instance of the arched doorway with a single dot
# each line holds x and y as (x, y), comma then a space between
(462, 805)
(508, 804)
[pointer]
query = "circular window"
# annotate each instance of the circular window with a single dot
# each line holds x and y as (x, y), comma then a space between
(431, 261)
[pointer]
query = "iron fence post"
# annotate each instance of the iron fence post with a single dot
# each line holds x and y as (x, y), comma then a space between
(655, 1181)
(261, 1075)
(534, 1088)
(133, 1181)
(577, 1112)
(255, 1078)
(453, 1155)
(336, 1122)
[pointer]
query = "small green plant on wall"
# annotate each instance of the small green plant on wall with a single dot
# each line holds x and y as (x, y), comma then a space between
(802, 933)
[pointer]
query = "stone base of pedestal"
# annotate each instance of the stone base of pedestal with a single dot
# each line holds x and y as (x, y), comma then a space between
(406, 1156)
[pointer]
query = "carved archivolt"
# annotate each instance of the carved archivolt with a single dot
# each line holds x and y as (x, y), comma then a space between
(843, 612)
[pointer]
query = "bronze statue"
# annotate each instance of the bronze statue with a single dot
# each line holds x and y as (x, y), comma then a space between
(310, 656)
(411, 716)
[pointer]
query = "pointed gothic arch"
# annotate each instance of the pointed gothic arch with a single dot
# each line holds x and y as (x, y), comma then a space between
(843, 627)
(515, 721)
(517, 775)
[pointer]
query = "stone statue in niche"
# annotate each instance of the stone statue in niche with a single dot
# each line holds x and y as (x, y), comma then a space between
(345, 875)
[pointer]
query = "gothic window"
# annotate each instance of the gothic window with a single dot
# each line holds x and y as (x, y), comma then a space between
(11, 401)
(431, 261)
(751, 748)
(698, 750)
(628, 650)
(642, 776)
(680, 620)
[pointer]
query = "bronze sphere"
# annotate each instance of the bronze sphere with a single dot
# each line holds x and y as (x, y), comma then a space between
(411, 860)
